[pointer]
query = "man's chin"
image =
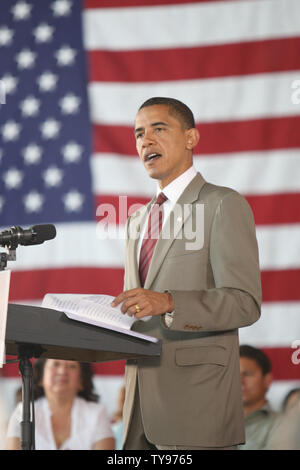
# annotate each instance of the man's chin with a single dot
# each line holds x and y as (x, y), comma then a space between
(152, 173)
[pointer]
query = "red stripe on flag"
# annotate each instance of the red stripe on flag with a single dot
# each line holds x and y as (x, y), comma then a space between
(109, 368)
(274, 55)
(282, 363)
(280, 285)
(29, 285)
(268, 209)
(275, 208)
(105, 368)
(10, 370)
(123, 206)
(215, 137)
(139, 3)
(114, 139)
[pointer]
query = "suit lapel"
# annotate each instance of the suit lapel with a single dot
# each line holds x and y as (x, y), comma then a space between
(167, 236)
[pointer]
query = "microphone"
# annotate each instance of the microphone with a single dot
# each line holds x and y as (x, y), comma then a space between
(35, 235)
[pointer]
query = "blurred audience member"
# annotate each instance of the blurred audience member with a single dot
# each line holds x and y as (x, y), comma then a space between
(67, 415)
(291, 399)
(118, 419)
(287, 434)
(256, 378)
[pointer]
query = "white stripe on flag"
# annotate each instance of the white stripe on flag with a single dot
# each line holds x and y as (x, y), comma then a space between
(164, 26)
(126, 171)
(279, 325)
(249, 173)
(278, 246)
(233, 98)
(77, 244)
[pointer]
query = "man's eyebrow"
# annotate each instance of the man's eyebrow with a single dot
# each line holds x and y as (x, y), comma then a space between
(139, 129)
(154, 124)
(160, 123)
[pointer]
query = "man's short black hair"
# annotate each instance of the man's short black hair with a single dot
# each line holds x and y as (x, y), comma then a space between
(176, 108)
(258, 356)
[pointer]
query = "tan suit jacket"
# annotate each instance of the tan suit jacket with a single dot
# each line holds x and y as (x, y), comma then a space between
(191, 395)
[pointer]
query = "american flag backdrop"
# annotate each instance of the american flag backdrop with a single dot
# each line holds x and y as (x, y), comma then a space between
(75, 74)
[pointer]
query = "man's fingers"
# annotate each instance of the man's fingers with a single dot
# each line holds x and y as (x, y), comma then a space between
(129, 305)
(140, 302)
(124, 296)
(117, 300)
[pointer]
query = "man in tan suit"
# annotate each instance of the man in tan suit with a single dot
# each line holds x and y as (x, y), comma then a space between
(197, 293)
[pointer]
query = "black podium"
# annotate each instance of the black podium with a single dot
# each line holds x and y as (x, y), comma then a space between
(51, 334)
(33, 332)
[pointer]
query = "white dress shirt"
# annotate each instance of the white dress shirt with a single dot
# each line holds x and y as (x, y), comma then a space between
(172, 191)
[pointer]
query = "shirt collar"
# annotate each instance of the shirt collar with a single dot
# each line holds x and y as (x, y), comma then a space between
(264, 410)
(174, 189)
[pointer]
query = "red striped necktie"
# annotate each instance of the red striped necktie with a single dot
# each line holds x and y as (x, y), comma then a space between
(151, 236)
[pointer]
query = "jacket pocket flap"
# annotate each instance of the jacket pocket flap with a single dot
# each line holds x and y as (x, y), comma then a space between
(212, 354)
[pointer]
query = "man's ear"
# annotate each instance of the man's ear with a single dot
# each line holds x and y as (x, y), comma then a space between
(192, 138)
(268, 379)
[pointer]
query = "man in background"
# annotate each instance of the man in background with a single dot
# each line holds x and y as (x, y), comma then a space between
(256, 378)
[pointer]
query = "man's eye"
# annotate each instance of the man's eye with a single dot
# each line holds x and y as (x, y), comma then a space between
(137, 136)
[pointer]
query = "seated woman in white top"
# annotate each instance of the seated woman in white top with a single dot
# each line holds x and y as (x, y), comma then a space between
(67, 415)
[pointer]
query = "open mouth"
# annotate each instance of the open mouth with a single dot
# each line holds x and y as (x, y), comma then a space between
(152, 156)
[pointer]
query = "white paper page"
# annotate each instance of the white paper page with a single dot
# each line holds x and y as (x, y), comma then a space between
(4, 292)
(107, 300)
(95, 307)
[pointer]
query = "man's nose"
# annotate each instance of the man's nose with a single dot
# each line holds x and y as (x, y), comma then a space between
(148, 138)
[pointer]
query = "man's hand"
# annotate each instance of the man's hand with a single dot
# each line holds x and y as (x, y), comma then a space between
(142, 302)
